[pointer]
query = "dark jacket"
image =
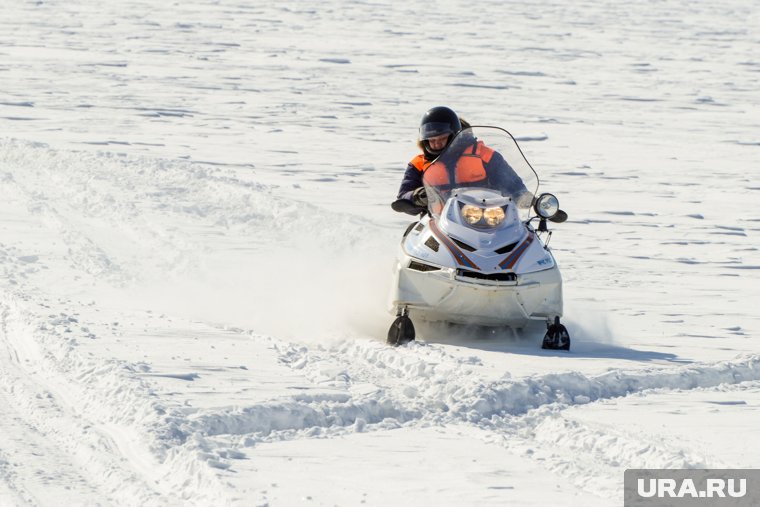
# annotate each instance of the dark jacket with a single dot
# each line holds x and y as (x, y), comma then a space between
(498, 172)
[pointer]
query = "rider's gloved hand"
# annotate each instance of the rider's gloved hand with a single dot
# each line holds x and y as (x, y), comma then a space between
(419, 197)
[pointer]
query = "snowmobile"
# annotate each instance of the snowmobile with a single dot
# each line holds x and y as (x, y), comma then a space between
(475, 256)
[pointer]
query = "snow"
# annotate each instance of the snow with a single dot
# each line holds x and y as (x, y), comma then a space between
(196, 248)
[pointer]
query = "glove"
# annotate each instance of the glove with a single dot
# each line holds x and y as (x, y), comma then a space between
(419, 197)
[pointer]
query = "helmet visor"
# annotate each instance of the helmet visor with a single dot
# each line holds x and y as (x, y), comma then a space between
(434, 129)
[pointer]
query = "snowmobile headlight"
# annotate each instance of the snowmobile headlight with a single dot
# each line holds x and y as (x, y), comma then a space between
(472, 214)
(493, 216)
(482, 217)
(546, 205)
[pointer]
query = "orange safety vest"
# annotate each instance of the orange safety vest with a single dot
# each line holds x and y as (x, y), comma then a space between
(470, 167)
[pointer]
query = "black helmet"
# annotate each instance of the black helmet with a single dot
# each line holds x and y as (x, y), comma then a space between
(435, 122)
(438, 121)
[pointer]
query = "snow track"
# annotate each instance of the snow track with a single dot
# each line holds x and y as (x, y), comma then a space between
(454, 386)
(26, 444)
(412, 388)
(97, 414)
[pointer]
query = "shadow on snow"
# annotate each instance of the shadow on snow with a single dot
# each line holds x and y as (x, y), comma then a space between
(528, 342)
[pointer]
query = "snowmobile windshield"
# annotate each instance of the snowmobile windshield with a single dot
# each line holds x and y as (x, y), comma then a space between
(483, 158)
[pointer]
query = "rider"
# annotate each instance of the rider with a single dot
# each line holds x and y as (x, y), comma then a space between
(473, 162)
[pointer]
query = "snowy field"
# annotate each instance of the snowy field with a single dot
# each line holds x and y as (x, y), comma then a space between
(196, 248)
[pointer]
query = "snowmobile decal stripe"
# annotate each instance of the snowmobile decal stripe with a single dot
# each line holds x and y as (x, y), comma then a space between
(461, 258)
(512, 258)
